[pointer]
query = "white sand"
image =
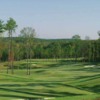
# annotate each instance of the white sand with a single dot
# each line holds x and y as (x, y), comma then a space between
(89, 66)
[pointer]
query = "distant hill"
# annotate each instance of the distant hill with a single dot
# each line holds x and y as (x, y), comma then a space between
(17, 39)
(51, 40)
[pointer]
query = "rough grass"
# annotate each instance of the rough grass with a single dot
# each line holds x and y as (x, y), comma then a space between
(50, 79)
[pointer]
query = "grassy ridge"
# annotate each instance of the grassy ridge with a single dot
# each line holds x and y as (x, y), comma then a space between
(50, 79)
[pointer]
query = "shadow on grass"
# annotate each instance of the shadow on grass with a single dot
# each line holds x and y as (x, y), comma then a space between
(11, 85)
(20, 97)
(95, 89)
(87, 78)
(49, 93)
(60, 63)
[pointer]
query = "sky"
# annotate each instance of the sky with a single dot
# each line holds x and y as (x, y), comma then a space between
(54, 18)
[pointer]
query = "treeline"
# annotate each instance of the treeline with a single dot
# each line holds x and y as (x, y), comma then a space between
(26, 46)
(75, 49)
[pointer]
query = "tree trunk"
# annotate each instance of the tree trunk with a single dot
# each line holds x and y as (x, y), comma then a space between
(12, 57)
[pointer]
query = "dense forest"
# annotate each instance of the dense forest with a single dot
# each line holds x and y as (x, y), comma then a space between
(73, 49)
(26, 46)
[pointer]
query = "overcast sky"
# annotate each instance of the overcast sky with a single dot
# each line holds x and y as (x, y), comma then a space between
(54, 18)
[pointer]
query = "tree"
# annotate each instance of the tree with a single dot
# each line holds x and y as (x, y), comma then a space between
(11, 27)
(28, 33)
(76, 37)
(99, 34)
(98, 44)
(2, 29)
(87, 38)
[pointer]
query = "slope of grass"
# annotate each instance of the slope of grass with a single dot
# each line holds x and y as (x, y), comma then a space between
(53, 79)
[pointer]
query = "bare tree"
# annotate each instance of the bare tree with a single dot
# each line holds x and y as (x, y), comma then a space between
(28, 33)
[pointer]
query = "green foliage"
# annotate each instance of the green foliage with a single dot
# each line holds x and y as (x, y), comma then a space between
(27, 45)
(76, 37)
(87, 50)
(11, 25)
(2, 27)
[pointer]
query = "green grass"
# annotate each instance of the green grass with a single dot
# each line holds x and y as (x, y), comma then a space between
(56, 80)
